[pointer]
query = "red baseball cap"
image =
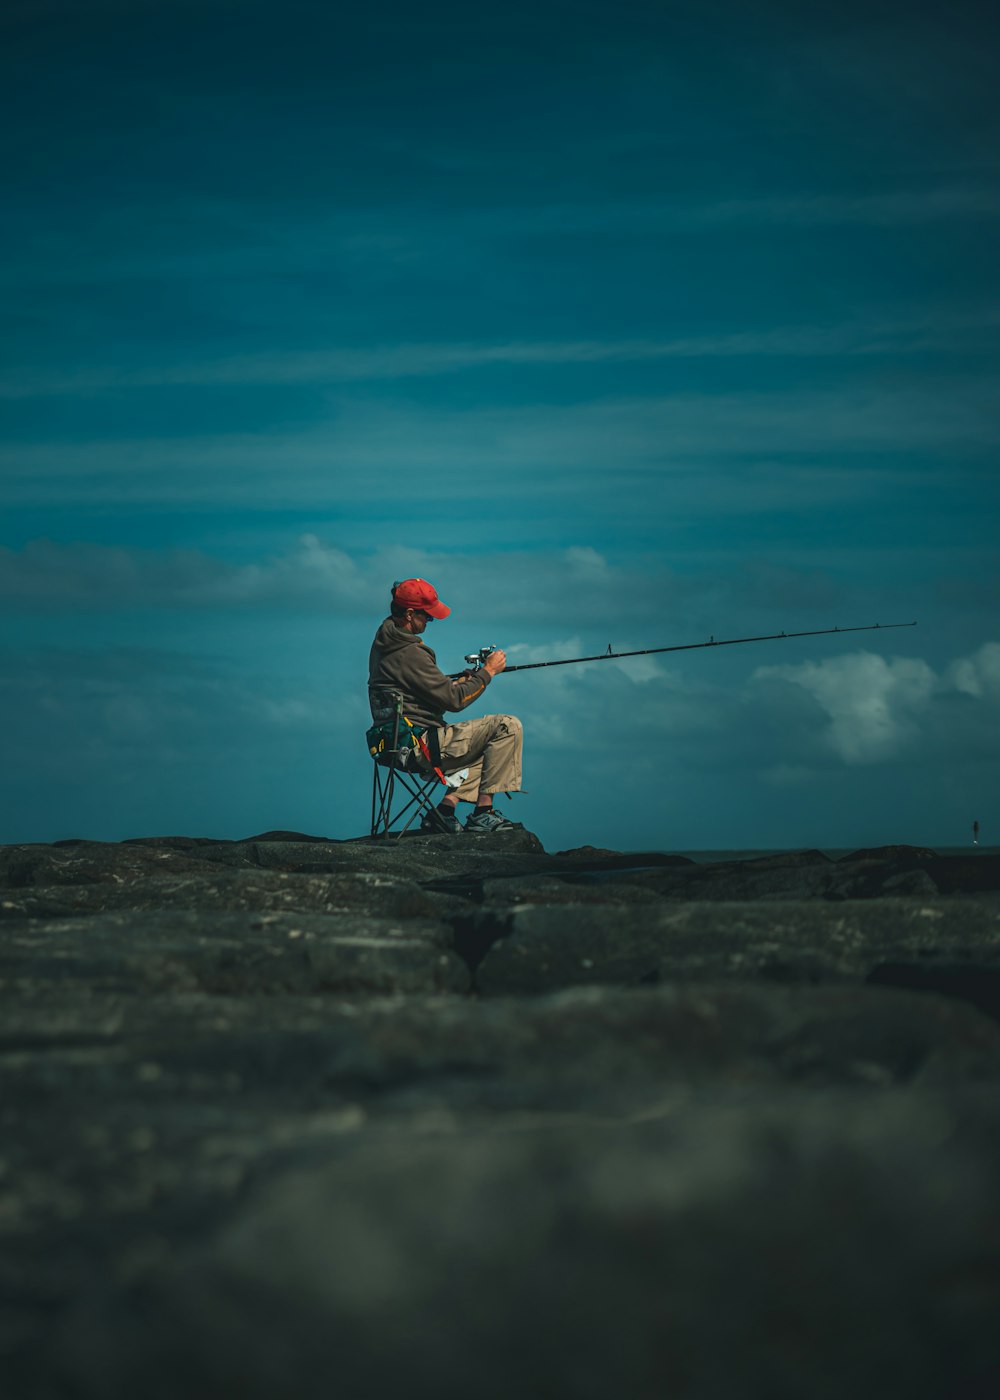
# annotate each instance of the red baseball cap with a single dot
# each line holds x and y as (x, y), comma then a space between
(418, 593)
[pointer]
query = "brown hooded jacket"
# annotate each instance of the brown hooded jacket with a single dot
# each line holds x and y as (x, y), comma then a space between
(403, 661)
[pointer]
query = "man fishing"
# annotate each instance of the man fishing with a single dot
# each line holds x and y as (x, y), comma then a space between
(490, 747)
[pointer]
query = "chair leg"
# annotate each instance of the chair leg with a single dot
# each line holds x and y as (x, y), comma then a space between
(384, 788)
(375, 797)
(420, 801)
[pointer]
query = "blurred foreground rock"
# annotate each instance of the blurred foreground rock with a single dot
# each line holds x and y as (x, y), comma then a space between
(284, 1116)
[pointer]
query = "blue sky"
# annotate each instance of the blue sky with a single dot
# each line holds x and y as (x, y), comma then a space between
(622, 322)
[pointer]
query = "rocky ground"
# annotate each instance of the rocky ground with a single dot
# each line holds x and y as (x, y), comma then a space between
(452, 1117)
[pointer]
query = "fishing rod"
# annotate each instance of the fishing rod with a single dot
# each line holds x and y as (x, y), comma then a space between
(478, 658)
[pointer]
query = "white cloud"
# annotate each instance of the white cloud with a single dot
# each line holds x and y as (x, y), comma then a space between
(873, 703)
(320, 576)
(521, 654)
(978, 675)
(877, 708)
(84, 577)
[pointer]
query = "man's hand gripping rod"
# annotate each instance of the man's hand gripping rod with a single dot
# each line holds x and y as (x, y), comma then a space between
(478, 658)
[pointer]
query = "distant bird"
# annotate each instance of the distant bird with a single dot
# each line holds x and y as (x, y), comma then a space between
(975, 833)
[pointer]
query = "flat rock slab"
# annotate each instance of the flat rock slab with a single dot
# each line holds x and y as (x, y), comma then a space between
(796, 1248)
(92, 863)
(141, 954)
(533, 949)
(213, 889)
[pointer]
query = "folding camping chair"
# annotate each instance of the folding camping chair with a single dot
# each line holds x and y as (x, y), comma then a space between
(394, 747)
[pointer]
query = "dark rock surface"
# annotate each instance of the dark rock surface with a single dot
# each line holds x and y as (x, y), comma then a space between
(535, 949)
(444, 1116)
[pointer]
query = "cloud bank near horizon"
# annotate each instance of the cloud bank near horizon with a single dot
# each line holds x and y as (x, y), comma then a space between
(115, 726)
(512, 587)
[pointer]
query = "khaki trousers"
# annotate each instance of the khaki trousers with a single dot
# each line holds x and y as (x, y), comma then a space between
(491, 750)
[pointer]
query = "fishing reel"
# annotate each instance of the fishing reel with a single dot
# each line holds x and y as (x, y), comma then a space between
(477, 659)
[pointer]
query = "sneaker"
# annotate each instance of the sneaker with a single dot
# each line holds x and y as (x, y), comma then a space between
(438, 821)
(486, 820)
